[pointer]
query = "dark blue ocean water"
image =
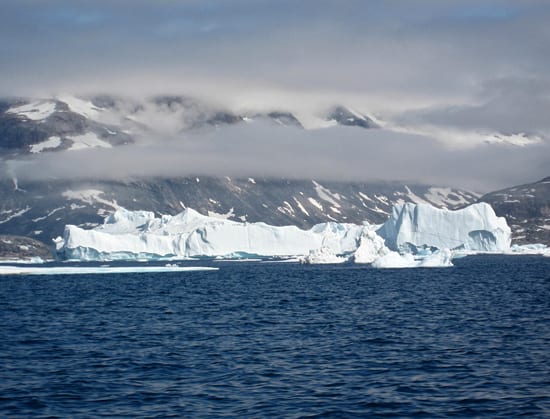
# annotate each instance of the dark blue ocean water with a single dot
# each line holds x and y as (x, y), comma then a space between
(280, 340)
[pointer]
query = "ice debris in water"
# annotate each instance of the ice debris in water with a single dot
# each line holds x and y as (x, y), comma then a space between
(83, 270)
(322, 255)
(439, 259)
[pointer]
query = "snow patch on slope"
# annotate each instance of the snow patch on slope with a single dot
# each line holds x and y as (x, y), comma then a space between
(88, 140)
(326, 195)
(50, 143)
(81, 106)
(442, 197)
(36, 111)
(15, 215)
(89, 196)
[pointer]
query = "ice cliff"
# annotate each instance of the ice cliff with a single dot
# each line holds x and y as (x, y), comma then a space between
(139, 234)
(412, 229)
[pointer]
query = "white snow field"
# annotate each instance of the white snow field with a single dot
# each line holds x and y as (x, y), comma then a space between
(35, 111)
(418, 235)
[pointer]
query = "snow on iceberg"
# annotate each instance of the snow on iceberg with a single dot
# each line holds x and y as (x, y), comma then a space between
(139, 234)
(476, 228)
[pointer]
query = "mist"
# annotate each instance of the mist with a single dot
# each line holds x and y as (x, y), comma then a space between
(266, 150)
(433, 68)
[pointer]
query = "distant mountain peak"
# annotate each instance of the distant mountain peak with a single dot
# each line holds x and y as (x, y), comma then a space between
(347, 117)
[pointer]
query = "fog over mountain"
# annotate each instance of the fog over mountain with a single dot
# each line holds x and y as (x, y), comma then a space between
(264, 150)
(460, 89)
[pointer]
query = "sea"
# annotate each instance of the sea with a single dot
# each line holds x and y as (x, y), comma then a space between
(278, 340)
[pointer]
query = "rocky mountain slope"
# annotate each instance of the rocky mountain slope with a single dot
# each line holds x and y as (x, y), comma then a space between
(63, 123)
(527, 210)
(17, 247)
(41, 209)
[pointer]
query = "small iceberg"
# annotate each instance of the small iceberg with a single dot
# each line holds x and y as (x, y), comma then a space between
(394, 260)
(321, 256)
(530, 249)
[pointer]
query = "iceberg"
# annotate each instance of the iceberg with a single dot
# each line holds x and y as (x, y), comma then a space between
(530, 249)
(414, 236)
(130, 235)
(371, 247)
(322, 256)
(413, 228)
(439, 259)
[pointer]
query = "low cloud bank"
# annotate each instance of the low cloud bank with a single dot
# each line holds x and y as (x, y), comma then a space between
(264, 150)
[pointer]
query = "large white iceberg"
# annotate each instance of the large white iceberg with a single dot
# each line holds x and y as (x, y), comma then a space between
(414, 227)
(139, 234)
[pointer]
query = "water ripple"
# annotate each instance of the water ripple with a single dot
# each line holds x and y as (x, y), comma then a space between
(269, 340)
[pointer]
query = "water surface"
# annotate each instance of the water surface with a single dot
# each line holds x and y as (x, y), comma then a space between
(280, 340)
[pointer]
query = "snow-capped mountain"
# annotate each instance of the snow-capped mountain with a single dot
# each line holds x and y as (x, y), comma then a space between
(53, 124)
(63, 124)
(40, 209)
(527, 209)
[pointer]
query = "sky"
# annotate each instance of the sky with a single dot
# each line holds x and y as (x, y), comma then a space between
(440, 74)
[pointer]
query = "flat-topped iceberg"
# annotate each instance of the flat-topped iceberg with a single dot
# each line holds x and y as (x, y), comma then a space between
(139, 234)
(413, 228)
(419, 230)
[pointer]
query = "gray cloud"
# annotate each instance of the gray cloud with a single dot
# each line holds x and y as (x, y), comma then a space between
(463, 64)
(266, 150)
(385, 54)
(505, 105)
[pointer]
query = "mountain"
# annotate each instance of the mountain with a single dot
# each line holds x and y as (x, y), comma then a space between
(51, 124)
(344, 116)
(62, 124)
(527, 210)
(40, 209)
(66, 123)
(17, 248)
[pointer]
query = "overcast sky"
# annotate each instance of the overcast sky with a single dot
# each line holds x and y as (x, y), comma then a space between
(431, 68)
